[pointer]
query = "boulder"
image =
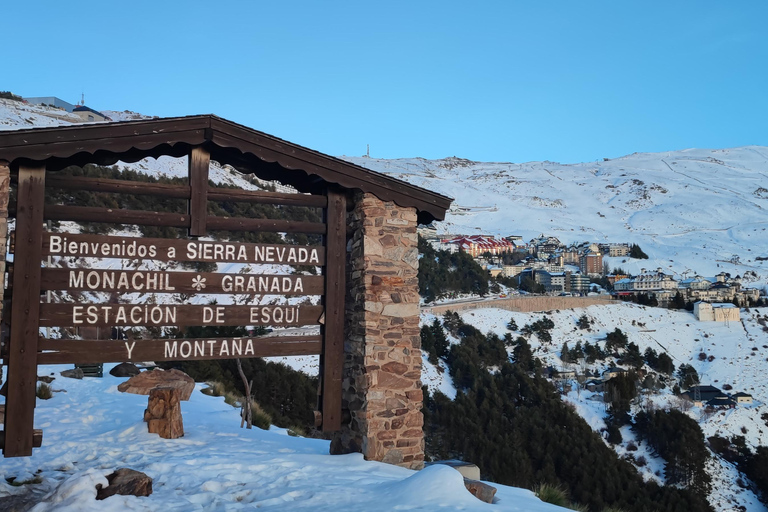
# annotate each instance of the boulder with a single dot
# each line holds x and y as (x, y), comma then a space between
(479, 490)
(126, 482)
(125, 370)
(144, 382)
(74, 373)
(45, 378)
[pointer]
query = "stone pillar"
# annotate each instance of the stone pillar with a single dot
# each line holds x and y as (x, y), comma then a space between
(5, 188)
(382, 349)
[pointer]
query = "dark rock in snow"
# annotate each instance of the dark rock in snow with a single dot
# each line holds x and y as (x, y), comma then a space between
(125, 481)
(479, 490)
(75, 373)
(125, 370)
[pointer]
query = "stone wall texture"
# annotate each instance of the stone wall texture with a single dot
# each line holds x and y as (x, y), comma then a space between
(382, 349)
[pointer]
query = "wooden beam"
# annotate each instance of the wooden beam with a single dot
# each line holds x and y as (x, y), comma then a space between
(333, 329)
(253, 196)
(22, 350)
(270, 225)
(199, 163)
(117, 315)
(118, 186)
(37, 438)
(55, 351)
(172, 249)
(191, 283)
(116, 216)
(175, 220)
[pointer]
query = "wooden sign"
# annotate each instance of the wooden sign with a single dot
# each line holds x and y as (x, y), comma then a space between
(115, 315)
(99, 351)
(69, 273)
(162, 249)
(141, 281)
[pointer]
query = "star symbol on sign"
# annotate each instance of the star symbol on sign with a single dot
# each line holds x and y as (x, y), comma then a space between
(198, 283)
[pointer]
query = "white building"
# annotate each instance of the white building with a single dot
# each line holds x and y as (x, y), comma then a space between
(724, 312)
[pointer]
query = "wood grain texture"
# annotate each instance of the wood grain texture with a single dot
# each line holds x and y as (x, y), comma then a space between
(53, 351)
(333, 330)
(199, 163)
(22, 350)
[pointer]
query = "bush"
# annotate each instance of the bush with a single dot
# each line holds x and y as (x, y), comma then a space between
(297, 431)
(44, 391)
(261, 419)
(553, 494)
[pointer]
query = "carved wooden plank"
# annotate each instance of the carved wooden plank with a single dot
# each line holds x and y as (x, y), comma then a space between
(166, 249)
(333, 330)
(199, 162)
(22, 352)
(114, 315)
(129, 281)
(97, 351)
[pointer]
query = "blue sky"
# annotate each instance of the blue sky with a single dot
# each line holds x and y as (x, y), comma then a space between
(489, 81)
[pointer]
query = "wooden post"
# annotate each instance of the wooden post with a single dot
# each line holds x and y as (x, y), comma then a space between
(333, 330)
(199, 161)
(22, 352)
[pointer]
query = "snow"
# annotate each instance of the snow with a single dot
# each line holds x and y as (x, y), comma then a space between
(690, 210)
(740, 350)
(90, 429)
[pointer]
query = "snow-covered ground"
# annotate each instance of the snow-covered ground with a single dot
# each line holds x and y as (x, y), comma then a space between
(740, 351)
(90, 429)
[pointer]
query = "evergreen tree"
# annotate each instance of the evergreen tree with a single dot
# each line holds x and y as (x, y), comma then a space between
(632, 356)
(636, 252)
(615, 340)
(678, 439)
(677, 302)
(565, 353)
(440, 340)
(688, 376)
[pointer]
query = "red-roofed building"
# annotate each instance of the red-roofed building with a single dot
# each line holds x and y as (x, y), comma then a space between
(476, 245)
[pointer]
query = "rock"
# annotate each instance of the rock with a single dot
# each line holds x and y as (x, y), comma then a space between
(75, 373)
(45, 378)
(144, 382)
(479, 490)
(163, 413)
(125, 370)
(126, 482)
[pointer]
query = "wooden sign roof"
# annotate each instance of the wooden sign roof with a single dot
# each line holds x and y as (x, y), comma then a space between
(247, 150)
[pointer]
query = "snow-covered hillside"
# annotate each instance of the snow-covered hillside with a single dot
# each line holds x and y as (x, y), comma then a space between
(698, 210)
(91, 429)
(739, 350)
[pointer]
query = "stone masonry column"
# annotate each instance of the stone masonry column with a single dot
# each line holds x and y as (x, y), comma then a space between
(382, 349)
(5, 189)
